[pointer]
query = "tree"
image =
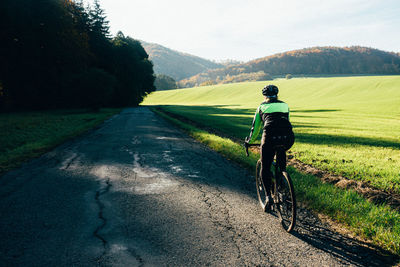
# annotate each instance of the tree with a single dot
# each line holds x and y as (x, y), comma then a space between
(96, 87)
(207, 83)
(133, 69)
(98, 21)
(99, 37)
(38, 56)
(164, 82)
(64, 57)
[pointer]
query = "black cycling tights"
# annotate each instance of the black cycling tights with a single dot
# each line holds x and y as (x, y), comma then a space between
(267, 156)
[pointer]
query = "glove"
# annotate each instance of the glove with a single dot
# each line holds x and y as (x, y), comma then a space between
(246, 140)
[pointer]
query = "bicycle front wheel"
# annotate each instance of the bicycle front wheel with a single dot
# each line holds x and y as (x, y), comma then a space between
(285, 201)
(261, 192)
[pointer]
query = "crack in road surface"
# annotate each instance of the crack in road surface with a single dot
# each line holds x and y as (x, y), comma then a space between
(101, 206)
(139, 192)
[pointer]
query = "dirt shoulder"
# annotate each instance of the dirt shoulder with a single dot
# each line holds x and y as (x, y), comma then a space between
(374, 195)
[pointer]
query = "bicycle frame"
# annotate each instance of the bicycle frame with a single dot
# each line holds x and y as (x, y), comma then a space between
(282, 192)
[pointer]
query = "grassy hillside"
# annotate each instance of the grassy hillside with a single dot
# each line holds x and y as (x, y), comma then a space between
(349, 126)
(176, 64)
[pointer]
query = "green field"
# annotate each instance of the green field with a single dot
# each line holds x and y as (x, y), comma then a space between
(25, 135)
(348, 125)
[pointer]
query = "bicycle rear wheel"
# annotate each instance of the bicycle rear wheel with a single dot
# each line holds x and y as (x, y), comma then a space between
(285, 201)
(261, 192)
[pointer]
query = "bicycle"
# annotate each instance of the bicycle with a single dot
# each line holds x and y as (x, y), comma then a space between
(282, 192)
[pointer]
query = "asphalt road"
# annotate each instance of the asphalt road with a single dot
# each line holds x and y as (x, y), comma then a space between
(139, 192)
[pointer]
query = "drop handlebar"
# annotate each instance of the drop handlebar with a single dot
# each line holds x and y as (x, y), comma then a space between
(247, 145)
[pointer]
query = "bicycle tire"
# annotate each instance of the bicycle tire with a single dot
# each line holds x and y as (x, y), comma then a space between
(285, 201)
(261, 193)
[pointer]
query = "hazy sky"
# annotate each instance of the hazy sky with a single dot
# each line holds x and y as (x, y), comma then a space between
(244, 30)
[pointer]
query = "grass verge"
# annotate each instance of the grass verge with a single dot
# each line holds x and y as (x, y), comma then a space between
(26, 135)
(377, 223)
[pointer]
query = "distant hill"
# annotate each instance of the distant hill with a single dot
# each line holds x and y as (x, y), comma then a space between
(308, 61)
(176, 64)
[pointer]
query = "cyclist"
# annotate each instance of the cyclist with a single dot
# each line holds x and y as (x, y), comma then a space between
(273, 115)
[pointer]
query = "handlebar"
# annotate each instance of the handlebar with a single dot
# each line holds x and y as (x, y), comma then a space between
(247, 145)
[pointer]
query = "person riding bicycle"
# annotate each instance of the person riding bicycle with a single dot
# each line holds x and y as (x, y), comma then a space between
(273, 115)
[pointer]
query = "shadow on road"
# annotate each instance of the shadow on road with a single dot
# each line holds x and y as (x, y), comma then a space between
(311, 230)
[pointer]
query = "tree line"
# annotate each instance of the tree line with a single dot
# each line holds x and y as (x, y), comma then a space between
(60, 54)
(329, 60)
(309, 61)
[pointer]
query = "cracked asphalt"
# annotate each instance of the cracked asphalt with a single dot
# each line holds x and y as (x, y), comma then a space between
(139, 192)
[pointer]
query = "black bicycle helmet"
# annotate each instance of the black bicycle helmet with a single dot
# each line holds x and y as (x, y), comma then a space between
(270, 91)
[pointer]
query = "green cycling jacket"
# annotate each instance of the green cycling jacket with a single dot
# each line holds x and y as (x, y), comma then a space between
(270, 114)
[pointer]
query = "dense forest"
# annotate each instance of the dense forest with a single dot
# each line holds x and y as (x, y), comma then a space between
(310, 61)
(59, 54)
(176, 64)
